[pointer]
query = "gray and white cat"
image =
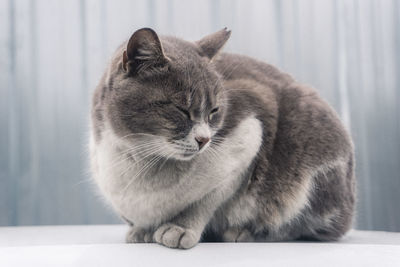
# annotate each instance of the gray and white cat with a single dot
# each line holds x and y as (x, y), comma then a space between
(190, 144)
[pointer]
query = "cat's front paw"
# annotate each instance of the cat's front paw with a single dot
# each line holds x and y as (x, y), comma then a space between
(236, 234)
(139, 235)
(174, 236)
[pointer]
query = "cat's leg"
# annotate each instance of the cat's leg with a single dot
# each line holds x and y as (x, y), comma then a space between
(139, 235)
(185, 230)
(330, 214)
(173, 235)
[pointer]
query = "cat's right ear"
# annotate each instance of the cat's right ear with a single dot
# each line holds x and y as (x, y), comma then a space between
(143, 51)
(213, 43)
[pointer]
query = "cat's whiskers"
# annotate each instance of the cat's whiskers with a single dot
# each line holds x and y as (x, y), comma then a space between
(146, 167)
(162, 155)
(155, 151)
(144, 172)
(148, 153)
(139, 147)
(212, 154)
(126, 154)
(166, 159)
(155, 162)
(218, 155)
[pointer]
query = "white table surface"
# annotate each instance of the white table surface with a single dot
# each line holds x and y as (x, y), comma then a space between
(103, 245)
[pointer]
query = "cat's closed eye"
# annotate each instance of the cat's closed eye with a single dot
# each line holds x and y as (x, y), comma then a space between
(184, 112)
(212, 113)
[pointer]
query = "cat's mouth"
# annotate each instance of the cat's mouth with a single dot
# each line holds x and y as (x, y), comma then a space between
(190, 153)
(185, 151)
(187, 154)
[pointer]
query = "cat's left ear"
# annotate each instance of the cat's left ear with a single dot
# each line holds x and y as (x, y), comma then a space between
(144, 50)
(212, 44)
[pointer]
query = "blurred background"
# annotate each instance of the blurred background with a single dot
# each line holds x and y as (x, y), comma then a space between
(52, 54)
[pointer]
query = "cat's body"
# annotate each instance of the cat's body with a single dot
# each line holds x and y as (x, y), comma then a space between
(273, 161)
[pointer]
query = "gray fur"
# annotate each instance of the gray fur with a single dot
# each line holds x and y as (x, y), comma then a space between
(279, 165)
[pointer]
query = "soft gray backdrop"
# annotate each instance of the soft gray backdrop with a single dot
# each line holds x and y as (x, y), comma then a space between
(52, 54)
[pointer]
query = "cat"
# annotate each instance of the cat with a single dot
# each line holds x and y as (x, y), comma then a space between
(189, 143)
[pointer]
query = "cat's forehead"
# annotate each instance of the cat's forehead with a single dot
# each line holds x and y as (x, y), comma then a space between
(186, 64)
(195, 71)
(198, 87)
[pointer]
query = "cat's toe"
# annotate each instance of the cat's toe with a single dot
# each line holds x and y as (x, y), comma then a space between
(138, 235)
(174, 236)
(189, 239)
(237, 235)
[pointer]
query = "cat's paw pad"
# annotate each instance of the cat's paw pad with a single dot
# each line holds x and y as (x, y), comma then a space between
(235, 234)
(174, 236)
(139, 235)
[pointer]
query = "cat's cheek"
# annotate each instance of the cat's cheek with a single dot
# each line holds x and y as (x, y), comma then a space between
(181, 130)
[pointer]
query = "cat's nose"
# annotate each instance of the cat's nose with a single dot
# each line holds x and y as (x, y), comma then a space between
(202, 141)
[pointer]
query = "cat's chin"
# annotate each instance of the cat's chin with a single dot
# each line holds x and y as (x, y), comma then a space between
(185, 157)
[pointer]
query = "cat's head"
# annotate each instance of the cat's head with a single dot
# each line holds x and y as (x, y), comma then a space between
(164, 95)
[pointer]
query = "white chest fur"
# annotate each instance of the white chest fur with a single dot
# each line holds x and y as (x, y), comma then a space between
(148, 203)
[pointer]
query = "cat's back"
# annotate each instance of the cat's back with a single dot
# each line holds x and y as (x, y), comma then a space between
(240, 67)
